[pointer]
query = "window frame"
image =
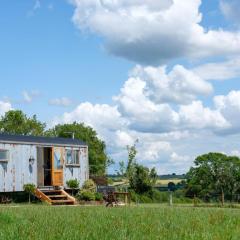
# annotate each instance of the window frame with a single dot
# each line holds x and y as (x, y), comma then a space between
(7, 155)
(73, 154)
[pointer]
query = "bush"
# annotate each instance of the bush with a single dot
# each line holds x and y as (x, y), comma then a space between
(98, 196)
(73, 183)
(86, 195)
(140, 198)
(30, 189)
(89, 185)
(159, 197)
(110, 181)
(156, 196)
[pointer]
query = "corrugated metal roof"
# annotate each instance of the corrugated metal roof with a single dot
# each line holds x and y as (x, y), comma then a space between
(7, 138)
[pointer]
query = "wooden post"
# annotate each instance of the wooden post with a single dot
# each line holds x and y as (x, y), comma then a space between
(222, 198)
(170, 198)
(194, 200)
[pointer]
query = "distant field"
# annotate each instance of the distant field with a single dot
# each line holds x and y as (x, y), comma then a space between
(144, 222)
(159, 181)
(166, 181)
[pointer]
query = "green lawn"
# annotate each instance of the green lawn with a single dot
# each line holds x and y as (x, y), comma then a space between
(144, 222)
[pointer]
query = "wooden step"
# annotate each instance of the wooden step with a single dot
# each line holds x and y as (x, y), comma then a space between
(50, 191)
(56, 196)
(55, 192)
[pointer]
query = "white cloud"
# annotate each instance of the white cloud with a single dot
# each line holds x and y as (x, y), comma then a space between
(103, 118)
(143, 113)
(123, 139)
(235, 153)
(147, 99)
(62, 102)
(153, 31)
(229, 107)
(178, 159)
(220, 70)
(170, 149)
(28, 97)
(4, 107)
(178, 86)
(196, 116)
(153, 151)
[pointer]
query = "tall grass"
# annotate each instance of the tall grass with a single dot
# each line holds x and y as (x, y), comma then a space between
(145, 222)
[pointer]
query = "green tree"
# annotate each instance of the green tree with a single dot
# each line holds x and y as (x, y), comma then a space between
(141, 181)
(16, 122)
(214, 173)
(98, 159)
(131, 163)
(153, 176)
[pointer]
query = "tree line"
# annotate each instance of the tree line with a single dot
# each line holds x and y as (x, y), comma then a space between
(213, 173)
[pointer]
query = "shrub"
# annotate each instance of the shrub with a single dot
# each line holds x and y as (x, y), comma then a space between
(159, 197)
(30, 189)
(73, 183)
(89, 185)
(98, 196)
(140, 198)
(86, 195)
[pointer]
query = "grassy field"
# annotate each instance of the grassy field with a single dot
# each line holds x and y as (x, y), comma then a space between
(144, 222)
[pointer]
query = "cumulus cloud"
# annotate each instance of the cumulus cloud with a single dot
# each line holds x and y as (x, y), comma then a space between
(196, 116)
(101, 117)
(177, 86)
(161, 108)
(62, 102)
(143, 113)
(153, 32)
(166, 148)
(4, 107)
(229, 107)
(156, 101)
(153, 100)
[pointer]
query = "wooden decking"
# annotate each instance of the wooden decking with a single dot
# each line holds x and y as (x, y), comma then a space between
(54, 197)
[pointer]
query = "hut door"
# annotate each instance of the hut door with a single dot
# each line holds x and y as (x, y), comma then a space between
(57, 166)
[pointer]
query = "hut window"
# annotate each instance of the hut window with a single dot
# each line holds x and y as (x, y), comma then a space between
(4, 155)
(72, 157)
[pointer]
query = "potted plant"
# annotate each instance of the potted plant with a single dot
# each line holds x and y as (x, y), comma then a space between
(73, 184)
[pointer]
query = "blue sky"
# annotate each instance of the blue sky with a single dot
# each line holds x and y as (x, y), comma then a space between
(42, 50)
(165, 73)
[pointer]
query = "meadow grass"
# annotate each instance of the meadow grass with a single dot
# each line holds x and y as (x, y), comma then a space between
(137, 222)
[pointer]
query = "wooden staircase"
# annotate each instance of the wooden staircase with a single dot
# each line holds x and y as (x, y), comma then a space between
(54, 196)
